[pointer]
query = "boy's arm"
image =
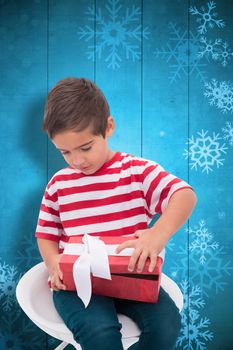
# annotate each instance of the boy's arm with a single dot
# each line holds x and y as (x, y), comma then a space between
(50, 253)
(151, 241)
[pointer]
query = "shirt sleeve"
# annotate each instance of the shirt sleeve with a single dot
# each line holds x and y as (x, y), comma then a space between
(159, 186)
(49, 224)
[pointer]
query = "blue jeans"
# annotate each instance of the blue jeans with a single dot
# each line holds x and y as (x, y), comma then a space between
(97, 326)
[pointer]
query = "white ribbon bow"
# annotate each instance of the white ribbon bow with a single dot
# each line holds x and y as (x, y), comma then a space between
(93, 258)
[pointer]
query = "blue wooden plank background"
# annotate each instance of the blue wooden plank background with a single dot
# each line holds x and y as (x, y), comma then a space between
(166, 69)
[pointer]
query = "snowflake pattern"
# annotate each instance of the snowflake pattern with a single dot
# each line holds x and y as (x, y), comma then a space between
(211, 276)
(116, 33)
(209, 48)
(28, 255)
(170, 245)
(194, 332)
(202, 244)
(206, 18)
(205, 151)
(220, 94)
(182, 51)
(217, 50)
(9, 278)
(228, 132)
(19, 333)
(224, 54)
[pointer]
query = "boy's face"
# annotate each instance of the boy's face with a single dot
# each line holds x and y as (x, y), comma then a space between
(84, 151)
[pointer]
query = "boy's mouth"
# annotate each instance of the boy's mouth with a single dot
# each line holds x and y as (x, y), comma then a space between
(85, 169)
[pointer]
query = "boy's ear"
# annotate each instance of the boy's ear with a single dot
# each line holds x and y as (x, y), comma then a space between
(110, 126)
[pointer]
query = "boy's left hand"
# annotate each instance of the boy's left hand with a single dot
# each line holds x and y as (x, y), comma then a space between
(147, 245)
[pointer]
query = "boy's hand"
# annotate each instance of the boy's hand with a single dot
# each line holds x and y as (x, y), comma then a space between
(147, 245)
(56, 274)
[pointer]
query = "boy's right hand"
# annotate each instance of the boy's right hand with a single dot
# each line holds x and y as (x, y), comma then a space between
(55, 273)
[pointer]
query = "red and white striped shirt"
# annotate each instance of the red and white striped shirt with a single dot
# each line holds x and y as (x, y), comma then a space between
(120, 198)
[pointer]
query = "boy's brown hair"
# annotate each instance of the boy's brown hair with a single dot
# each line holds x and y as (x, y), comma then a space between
(75, 104)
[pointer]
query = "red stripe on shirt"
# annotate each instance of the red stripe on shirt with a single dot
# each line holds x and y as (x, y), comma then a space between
(46, 223)
(98, 186)
(76, 176)
(154, 184)
(52, 198)
(49, 210)
(128, 230)
(102, 218)
(47, 236)
(164, 194)
(94, 203)
(148, 170)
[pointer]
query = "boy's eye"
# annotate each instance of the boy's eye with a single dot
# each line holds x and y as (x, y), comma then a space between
(86, 149)
(64, 153)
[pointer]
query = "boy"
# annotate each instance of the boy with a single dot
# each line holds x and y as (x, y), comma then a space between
(103, 192)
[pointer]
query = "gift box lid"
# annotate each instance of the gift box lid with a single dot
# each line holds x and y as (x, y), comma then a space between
(118, 264)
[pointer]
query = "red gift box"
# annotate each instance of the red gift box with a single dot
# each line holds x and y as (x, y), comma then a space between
(142, 286)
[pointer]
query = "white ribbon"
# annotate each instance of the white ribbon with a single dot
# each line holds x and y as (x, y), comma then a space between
(93, 258)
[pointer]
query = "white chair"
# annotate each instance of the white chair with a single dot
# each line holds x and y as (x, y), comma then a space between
(35, 298)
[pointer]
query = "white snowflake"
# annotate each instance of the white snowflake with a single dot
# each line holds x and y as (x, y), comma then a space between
(217, 50)
(9, 278)
(224, 54)
(194, 332)
(220, 94)
(116, 33)
(202, 244)
(209, 48)
(182, 53)
(206, 18)
(228, 133)
(205, 151)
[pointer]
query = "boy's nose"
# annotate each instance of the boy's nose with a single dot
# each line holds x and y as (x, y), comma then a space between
(77, 162)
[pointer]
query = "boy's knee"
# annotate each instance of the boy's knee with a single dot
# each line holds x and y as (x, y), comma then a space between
(165, 331)
(171, 329)
(174, 321)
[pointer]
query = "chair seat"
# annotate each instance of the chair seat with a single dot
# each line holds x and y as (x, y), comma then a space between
(35, 298)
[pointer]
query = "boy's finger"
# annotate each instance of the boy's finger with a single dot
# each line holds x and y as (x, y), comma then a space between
(59, 283)
(126, 244)
(58, 286)
(142, 261)
(60, 274)
(62, 286)
(134, 259)
(56, 283)
(153, 260)
(54, 288)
